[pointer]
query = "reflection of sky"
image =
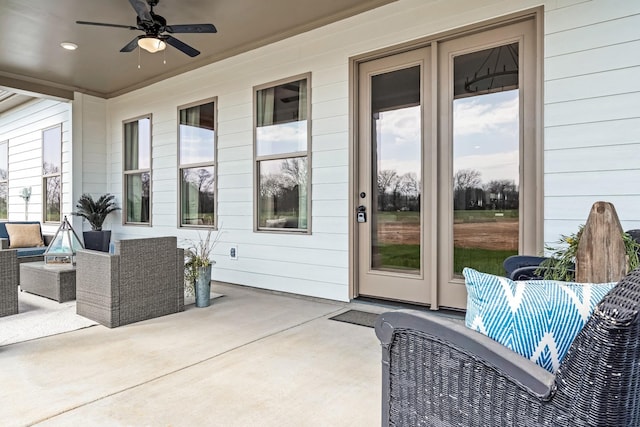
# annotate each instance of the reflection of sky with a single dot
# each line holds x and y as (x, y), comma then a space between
(51, 147)
(486, 135)
(144, 143)
(282, 138)
(399, 140)
(196, 145)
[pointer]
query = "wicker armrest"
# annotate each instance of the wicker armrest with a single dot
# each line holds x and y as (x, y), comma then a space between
(481, 349)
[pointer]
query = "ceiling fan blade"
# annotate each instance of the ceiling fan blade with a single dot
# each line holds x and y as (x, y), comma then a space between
(131, 45)
(142, 9)
(102, 24)
(191, 28)
(183, 47)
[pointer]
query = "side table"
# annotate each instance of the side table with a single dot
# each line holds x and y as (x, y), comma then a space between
(57, 282)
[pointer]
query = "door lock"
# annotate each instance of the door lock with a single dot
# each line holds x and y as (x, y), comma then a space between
(361, 214)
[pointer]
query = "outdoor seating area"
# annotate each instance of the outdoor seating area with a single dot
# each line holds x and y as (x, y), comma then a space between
(140, 280)
(441, 372)
(25, 237)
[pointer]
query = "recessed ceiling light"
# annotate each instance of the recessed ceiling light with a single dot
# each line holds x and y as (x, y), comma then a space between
(69, 45)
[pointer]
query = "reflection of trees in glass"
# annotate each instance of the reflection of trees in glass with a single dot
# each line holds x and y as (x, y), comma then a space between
(466, 179)
(398, 192)
(470, 193)
(4, 174)
(52, 198)
(283, 194)
(198, 196)
(4, 193)
(138, 190)
(50, 169)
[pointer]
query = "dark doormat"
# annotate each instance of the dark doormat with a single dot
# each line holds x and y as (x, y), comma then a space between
(357, 317)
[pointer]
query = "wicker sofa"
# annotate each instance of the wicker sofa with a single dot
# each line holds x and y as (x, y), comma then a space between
(26, 254)
(437, 372)
(8, 283)
(142, 279)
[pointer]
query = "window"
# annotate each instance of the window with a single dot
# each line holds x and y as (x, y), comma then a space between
(4, 179)
(51, 172)
(137, 170)
(282, 148)
(197, 169)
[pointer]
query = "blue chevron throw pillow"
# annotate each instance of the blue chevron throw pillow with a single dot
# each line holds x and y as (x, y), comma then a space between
(537, 318)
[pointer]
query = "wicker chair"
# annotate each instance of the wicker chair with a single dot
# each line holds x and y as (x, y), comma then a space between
(142, 279)
(437, 372)
(8, 282)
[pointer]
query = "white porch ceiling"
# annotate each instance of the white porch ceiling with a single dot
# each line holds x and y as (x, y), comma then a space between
(31, 59)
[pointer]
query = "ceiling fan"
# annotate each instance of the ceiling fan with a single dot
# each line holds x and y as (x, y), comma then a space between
(155, 27)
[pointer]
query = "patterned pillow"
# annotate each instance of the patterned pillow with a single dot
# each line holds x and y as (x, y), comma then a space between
(538, 318)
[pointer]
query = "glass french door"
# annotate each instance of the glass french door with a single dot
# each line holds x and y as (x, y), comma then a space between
(447, 164)
(393, 217)
(486, 152)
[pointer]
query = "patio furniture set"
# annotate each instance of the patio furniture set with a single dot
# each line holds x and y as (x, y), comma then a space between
(530, 352)
(138, 279)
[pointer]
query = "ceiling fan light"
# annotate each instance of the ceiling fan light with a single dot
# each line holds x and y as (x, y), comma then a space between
(151, 44)
(69, 45)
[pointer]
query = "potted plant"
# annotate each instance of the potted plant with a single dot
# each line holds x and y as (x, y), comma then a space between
(95, 212)
(197, 267)
(561, 262)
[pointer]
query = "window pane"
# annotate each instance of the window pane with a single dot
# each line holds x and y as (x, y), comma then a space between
(52, 199)
(4, 192)
(396, 165)
(486, 71)
(282, 104)
(486, 180)
(197, 134)
(280, 139)
(198, 201)
(283, 193)
(4, 161)
(137, 144)
(51, 150)
(138, 197)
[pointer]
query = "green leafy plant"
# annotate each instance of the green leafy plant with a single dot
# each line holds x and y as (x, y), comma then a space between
(561, 263)
(95, 212)
(197, 255)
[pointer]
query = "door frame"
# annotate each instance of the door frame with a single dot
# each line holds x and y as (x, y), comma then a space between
(537, 14)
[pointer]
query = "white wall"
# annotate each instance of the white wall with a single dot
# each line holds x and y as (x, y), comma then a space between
(22, 127)
(591, 95)
(89, 151)
(592, 113)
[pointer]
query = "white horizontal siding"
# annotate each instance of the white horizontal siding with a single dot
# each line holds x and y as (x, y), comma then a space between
(591, 94)
(602, 133)
(593, 159)
(22, 127)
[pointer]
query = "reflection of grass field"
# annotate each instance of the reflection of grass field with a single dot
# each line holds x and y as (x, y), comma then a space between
(480, 215)
(408, 256)
(404, 217)
(485, 260)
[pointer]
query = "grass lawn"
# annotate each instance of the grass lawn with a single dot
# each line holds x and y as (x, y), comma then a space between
(408, 256)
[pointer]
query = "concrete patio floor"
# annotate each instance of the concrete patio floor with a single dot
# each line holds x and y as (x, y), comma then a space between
(253, 358)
